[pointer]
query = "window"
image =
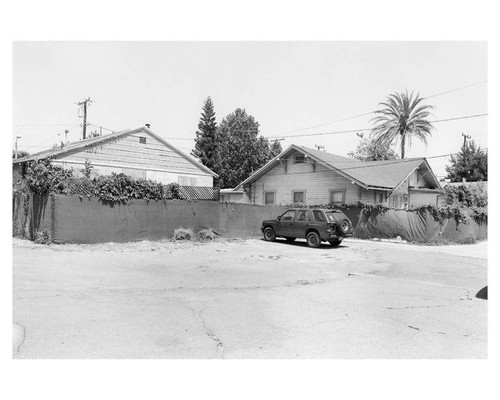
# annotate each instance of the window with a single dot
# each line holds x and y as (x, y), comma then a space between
(299, 159)
(142, 139)
(398, 201)
(269, 198)
(379, 197)
(299, 197)
(330, 217)
(288, 216)
(337, 196)
(318, 215)
(303, 215)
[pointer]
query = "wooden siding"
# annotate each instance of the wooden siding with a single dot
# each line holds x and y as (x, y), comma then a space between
(152, 160)
(421, 198)
(316, 183)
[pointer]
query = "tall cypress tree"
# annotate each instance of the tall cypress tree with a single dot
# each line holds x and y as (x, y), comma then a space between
(205, 145)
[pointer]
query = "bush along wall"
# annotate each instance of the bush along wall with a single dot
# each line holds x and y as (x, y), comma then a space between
(462, 220)
(42, 177)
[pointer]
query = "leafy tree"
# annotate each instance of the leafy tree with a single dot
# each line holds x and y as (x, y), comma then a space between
(205, 142)
(470, 163)
(275, 149)
(240, 150)
(371, 150)
(402, 119)
(20, 154)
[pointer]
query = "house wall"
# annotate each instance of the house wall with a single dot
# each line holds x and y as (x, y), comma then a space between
(231, 198)
(317, 185)
(421, 198)
(151, 160)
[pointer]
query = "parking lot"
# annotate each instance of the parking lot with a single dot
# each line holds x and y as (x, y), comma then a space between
(249, 299)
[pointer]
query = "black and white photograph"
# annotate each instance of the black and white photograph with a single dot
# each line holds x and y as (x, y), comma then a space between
(175, 210)
(221, 199)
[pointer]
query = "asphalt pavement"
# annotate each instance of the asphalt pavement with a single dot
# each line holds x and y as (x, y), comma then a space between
(249, 299)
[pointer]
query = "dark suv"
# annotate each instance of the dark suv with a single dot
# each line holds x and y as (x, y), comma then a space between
(315, 225)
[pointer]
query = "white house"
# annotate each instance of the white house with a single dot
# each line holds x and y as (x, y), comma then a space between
(139, 153)
(303, 175)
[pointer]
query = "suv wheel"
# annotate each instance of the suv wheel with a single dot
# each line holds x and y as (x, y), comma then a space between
(269, 235)
(313, 239)
(344, 226)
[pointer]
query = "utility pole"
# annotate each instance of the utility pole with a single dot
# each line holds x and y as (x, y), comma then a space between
(465, 139)
(84, 104)
(17, 137)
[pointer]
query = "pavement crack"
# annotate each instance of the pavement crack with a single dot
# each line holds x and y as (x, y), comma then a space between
(19, 334)
(416, 307)
(219, 345)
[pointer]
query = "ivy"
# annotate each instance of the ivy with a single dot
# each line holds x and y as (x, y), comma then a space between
(41, 177)
(460, 212)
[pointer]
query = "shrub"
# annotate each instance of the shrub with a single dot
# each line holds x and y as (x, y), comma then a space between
(42, 236)
(206, 234)
(42, 177)
(471, 195)
(183, 234)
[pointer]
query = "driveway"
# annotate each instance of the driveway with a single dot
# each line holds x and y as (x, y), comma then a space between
(248, 299)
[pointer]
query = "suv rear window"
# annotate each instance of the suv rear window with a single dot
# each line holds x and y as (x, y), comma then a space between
(330, 216)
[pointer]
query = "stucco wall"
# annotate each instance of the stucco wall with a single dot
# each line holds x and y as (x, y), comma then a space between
(71, 219)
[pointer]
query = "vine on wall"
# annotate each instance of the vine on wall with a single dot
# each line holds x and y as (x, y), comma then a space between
(42, 177)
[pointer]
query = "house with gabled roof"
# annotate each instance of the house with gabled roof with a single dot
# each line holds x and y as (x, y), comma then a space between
(303, 175)
(139, 153)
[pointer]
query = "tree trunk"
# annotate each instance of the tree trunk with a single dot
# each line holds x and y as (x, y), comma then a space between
(403, 142)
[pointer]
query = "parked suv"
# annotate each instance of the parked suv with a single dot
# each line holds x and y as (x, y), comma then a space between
(315, 225)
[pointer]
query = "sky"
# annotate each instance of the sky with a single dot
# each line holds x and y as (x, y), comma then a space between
(291, 88)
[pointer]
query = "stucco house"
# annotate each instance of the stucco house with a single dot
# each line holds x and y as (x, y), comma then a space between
(139, 153)
(303, 175)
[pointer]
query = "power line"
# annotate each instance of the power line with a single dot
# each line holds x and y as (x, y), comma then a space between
(371, 112)
(456, 90)
(40, 125)
(465, 117)
(369, 129)
(101, 127)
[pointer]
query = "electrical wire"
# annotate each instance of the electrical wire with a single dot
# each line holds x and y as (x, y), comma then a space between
(371, 112)
(369, 129)
(40, 125)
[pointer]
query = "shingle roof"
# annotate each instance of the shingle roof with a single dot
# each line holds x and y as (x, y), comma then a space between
(58, 151)
(55, 151)
(385, 174)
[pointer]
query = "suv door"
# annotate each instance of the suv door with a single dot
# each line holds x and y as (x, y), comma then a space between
(285, 226)
(302, 222)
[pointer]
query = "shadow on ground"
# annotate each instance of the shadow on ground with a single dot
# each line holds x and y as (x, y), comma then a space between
(483, 293)
(303, 243)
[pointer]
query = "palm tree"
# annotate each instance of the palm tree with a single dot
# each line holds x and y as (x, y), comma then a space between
(402, 119)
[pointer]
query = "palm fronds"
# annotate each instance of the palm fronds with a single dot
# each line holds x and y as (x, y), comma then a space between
(401, 119)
